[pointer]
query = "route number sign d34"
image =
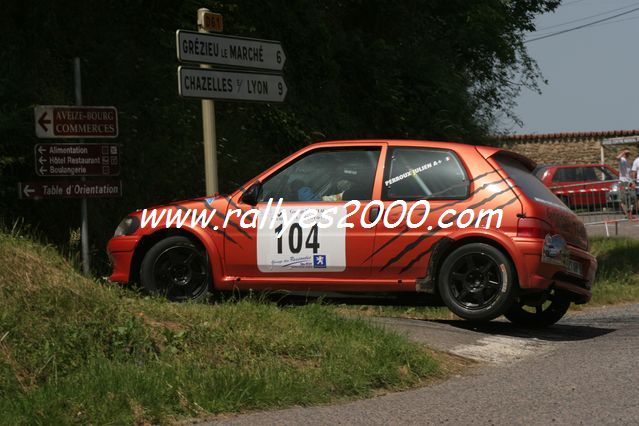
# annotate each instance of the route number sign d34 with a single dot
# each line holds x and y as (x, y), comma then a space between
(211, 21)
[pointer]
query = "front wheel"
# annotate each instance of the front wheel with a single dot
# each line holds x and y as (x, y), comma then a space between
(539, 313)
(477, 282)
(177, 269)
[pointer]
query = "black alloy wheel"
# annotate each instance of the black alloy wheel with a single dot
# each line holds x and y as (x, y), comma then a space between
(477, 282)
(542, 311)
(177, 269)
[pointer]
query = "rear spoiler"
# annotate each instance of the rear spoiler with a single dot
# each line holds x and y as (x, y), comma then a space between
(490, 151)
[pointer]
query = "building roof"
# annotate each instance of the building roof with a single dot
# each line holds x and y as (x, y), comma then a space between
(547, 137)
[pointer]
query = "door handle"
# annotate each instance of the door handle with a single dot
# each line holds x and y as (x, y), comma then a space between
(372, 214)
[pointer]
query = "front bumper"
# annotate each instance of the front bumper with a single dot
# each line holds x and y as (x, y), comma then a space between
(121, 250)
(541, 276)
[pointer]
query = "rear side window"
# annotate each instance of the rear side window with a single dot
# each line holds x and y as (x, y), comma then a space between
(540, 171)
(424, 173)
(582, 174)
(527, 182)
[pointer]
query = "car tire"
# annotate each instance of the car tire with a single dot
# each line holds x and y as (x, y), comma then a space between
(544, 313)
(477, 282)
(177, 269)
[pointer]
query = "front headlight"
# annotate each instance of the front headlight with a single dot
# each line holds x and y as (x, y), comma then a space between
(128, 226)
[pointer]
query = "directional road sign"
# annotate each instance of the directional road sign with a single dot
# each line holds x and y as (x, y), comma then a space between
(67, 121)
(217, 49)
(75, 159)
(70, 189)
(205, 83)
(620, 141)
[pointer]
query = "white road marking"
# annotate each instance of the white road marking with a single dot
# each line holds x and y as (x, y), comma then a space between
(502, 350)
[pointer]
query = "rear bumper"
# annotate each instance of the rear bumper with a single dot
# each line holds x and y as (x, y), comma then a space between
(120, 250)
(541, 276)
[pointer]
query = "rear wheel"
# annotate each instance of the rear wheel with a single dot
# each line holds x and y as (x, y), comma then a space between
(177, 269)
(477, 282)
(539, 312)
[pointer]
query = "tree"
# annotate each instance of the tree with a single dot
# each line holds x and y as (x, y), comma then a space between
(438, 69)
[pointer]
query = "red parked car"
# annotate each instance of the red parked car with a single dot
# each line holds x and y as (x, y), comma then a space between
(418, 219)
(581, 185)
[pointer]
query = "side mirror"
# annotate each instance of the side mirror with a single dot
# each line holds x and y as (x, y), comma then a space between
(252, 195)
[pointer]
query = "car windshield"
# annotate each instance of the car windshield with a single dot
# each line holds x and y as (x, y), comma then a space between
(527, 182)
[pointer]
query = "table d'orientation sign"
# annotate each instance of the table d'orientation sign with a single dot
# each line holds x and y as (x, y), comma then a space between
(70, 189)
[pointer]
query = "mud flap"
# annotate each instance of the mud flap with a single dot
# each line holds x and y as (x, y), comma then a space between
(428, 284)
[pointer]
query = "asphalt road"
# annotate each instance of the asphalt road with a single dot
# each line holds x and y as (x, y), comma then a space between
(585, 370)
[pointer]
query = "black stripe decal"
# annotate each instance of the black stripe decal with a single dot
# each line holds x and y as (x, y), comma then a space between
(406, 228)
(425, 252)
(419, 239)
(232, 203)
(233, 224)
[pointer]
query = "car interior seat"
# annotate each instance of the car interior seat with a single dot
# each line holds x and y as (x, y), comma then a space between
(361, 182)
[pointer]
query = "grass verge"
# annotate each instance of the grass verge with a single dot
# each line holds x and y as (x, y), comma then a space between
(618, 270)
(75, 351)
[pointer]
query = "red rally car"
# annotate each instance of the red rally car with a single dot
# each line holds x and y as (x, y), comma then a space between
(469, 223)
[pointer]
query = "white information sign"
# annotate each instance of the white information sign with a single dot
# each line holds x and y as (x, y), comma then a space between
(312, 241)
(218, 49)
(620, 141)
(205, 83)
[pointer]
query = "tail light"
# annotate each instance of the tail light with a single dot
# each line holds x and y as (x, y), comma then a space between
(533, 228)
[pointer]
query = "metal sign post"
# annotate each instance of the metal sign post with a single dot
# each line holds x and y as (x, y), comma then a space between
(263, 82)
(208, 122)
(84, 226)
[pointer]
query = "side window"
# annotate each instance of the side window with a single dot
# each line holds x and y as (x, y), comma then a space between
(424, 173)
(566, 175)
(325, 175)
(604, 174)
(589, 174)
(559, 176)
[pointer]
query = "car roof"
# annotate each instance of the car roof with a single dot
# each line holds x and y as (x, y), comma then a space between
(392, 142)
(484, 150)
